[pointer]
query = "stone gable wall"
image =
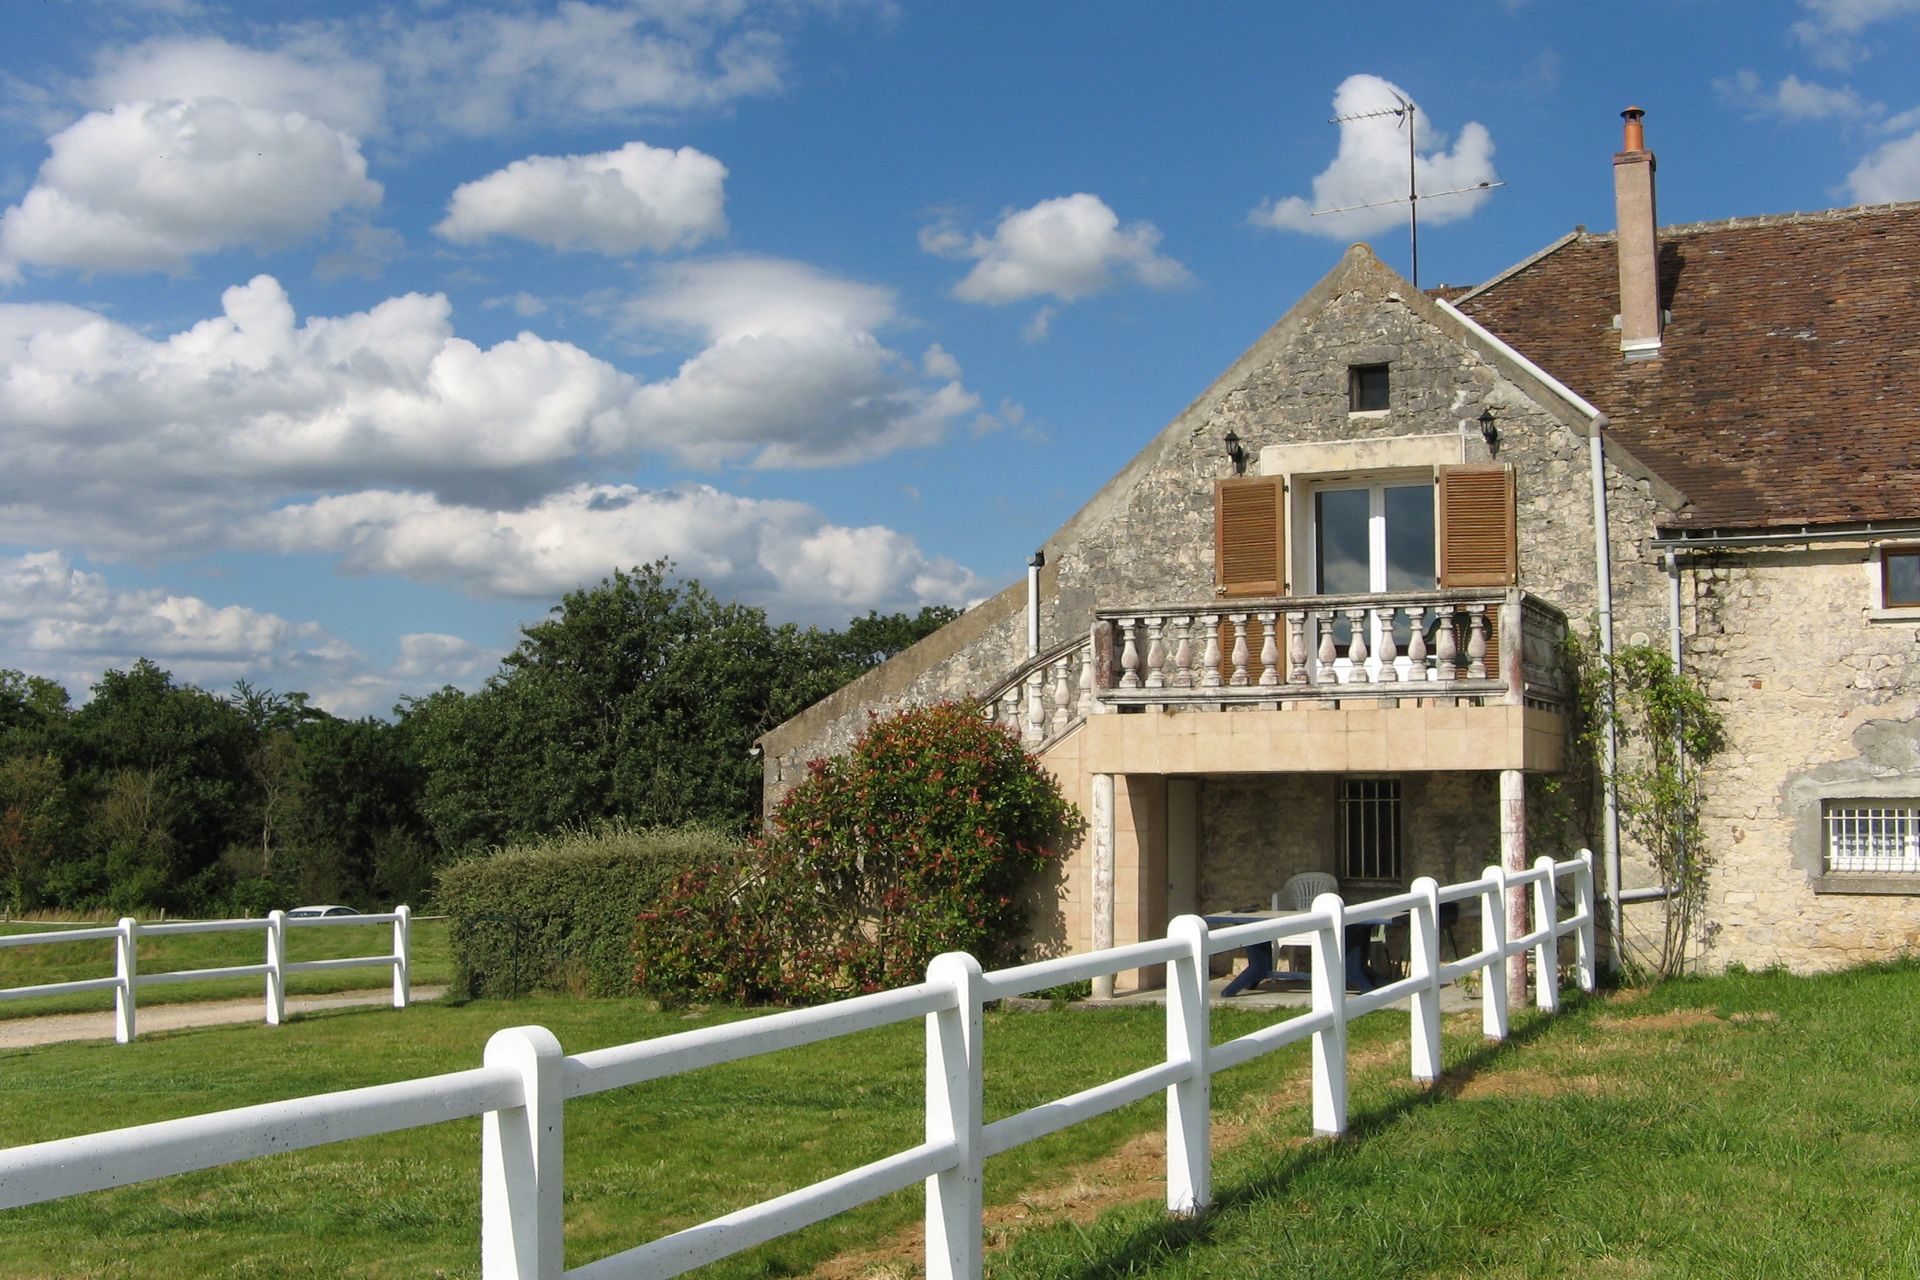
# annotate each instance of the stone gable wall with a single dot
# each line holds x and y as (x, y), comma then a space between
(1820, 703)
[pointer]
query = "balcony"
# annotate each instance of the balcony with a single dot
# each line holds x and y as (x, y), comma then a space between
(1412, 654)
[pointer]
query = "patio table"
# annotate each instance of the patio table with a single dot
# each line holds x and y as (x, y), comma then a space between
(1260, 954)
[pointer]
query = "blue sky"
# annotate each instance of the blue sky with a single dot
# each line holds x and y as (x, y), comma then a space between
(337, 341)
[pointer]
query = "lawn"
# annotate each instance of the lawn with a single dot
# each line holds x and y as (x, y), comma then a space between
(1751, 1125)
(70, 961)
(640, 1162)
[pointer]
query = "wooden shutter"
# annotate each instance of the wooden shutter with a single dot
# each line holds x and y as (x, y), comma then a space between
(1478, 546)
(1249, 558)
(1249, 538)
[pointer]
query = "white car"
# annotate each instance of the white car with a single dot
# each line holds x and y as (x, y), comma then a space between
(306, 913)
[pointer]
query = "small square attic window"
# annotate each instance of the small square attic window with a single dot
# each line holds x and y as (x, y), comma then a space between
(1366, 388)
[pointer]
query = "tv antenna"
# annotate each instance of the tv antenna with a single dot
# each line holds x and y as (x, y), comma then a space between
(1412, 199)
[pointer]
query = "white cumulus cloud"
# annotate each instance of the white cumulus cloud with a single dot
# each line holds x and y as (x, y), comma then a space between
(1795, 99)
(1065, 248)
(1371, 166)
(147, 186)
(613, 202)
(71, 624)
(1832, 29)
(1891, 172)
(481, 72)
(782, 554)
(158, 446)
(792, 373)
(311, 76)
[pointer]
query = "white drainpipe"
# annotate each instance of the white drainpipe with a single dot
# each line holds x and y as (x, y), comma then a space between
(1603, 593)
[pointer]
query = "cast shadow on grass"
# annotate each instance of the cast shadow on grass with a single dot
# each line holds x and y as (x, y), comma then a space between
(1133, 1254)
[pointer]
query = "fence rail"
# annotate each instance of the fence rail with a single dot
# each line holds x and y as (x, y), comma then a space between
(127, 978)
(522, 1087)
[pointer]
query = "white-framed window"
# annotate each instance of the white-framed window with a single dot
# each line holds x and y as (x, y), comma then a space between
(1871, 837)
(1370, 536)
(1893, 577)
(1370, 828)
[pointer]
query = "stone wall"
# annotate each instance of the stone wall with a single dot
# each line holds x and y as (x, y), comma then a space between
(1257, 830)
(1821, 702)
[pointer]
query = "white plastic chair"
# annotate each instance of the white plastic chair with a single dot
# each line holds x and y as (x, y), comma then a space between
(1297, 894)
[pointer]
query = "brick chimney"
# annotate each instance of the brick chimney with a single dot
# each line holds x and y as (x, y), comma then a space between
(1637, 243)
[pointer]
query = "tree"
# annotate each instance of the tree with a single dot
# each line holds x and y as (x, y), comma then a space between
(637, 700)
(32, 801)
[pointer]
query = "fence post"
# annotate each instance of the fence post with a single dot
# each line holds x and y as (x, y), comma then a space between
(1584, 937)
(276, 968)
(1423, 946)
(126, 969)
(402, 953)
(1330, 1002)
(1493, 942)
(954, 1082)
(520, 1161)
(1546, 952)
(1189, 1102)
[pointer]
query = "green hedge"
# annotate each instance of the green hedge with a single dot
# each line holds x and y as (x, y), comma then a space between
(558, 914)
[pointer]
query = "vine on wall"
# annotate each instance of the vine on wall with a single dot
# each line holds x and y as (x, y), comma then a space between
(1667, 731)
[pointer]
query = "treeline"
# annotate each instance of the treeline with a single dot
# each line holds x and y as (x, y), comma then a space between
(636, 701)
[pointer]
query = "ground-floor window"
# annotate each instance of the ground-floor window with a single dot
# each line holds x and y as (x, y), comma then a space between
(1370, 828)
(1882, 836)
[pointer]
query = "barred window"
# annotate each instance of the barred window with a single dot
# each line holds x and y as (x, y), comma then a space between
(1370, 828)
(1873, 838)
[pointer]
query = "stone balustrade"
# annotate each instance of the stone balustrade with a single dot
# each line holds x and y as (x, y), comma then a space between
(1476, 644)
(1490, 644)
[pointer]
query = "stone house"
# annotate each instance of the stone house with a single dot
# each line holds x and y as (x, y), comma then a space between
(1314, 624)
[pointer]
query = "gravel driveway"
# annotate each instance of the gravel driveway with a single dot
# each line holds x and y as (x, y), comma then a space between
(22, 1033)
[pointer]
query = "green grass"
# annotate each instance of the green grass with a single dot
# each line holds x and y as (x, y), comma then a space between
(1746, 1126)
(70, 961)
(1754, 1125)
(640, 1162)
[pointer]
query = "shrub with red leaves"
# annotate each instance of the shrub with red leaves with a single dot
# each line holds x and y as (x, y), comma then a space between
(915, 842)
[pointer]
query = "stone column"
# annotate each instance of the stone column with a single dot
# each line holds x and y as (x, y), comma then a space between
(1100, 822)
(1513, 856)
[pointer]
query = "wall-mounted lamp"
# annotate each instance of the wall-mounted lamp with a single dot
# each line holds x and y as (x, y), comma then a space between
(1236, 455)
(1488, 430)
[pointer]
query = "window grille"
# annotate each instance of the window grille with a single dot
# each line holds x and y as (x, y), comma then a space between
(1873, 837)
(1370, 828)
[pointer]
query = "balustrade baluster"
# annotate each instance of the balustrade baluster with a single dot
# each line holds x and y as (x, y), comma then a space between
(1036, 726)
(1389, 647)
(1357, 646)
(1129, 654)
(1180, 675)
(1477, 642)
(1323, 619)
(1239, 621)
(1062, 695)
(1085, 707)
(1446, 660)
(1296, 646)
(1010, 709)
(1269, 648)
(1156, 652)
(1210, 651)
(1416, 642)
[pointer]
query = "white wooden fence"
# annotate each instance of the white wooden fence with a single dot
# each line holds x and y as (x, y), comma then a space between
(524, 1083)
(127, 979)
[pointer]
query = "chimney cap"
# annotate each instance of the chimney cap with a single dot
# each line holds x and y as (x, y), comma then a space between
(1633, 135)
